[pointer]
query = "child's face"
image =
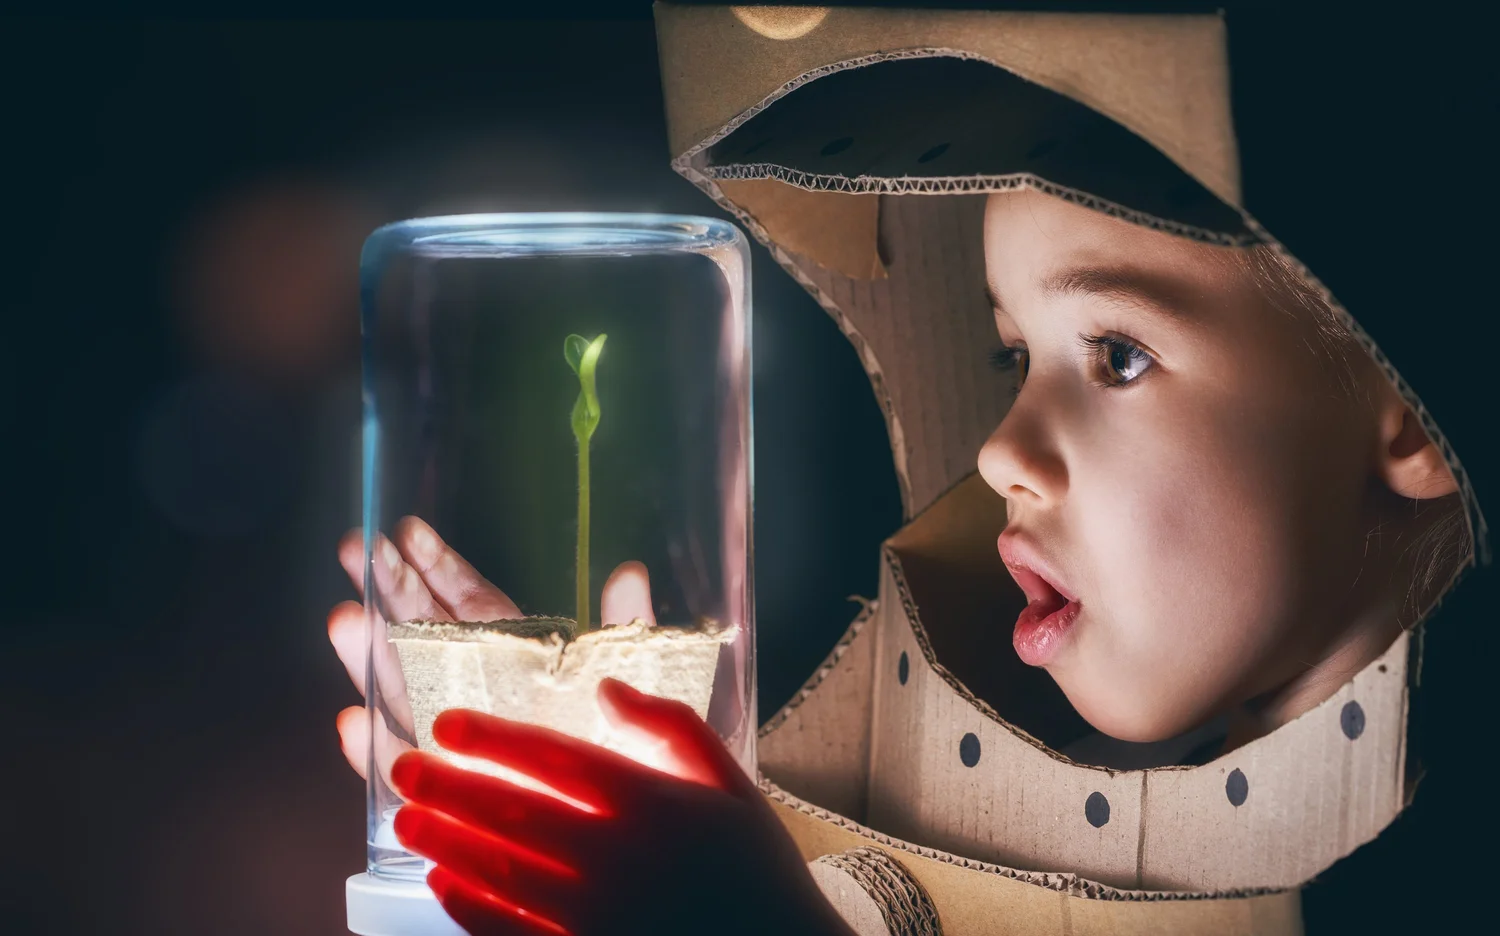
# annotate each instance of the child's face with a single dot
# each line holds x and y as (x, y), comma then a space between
(1179, 463)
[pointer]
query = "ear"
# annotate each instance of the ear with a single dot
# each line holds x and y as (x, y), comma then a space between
(1408, 462)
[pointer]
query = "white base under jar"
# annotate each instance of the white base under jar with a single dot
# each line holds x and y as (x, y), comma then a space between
(381, 907)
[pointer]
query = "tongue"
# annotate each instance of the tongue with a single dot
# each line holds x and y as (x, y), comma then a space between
(1041, 598)
(1046, 604)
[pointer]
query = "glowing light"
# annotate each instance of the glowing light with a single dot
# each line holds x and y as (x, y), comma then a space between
(643, 748)
(524, 781)
(781, 22)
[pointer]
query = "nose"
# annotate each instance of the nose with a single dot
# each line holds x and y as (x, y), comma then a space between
(1021, 459)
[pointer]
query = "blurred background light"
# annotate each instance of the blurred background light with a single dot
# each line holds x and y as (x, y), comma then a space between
(261, 278)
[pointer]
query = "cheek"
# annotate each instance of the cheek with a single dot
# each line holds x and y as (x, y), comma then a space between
(1178, 503)
(1189, 563)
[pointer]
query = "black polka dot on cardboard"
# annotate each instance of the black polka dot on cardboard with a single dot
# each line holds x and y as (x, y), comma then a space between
(1096, 810)
(837, 146)
(1237, 788)
(903, 668)
(968, 749)
(1352, 720)
(933, 153)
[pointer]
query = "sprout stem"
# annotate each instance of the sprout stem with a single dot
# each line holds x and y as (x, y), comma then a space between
(583, 356)
(583, 536)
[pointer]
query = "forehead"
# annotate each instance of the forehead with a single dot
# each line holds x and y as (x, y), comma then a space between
(1028, 234)
(1040, 248)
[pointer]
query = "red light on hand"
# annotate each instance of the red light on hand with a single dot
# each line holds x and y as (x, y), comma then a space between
(690, 848)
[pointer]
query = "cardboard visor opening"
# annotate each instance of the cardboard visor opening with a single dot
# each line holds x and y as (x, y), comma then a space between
(939, 123)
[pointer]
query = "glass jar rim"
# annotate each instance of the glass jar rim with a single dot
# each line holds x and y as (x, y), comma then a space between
(560, 233)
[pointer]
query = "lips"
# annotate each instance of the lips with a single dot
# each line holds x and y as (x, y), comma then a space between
(1045, 622)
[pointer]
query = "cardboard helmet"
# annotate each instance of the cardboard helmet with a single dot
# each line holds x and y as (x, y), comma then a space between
(920, 766)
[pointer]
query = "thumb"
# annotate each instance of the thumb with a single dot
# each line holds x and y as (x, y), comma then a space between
(669, 735)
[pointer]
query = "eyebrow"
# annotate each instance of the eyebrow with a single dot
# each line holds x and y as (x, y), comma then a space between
(1121, 284)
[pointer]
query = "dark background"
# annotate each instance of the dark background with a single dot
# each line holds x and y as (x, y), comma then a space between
(185, 204)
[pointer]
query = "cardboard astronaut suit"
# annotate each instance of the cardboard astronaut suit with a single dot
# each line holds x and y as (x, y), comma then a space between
(927, 789)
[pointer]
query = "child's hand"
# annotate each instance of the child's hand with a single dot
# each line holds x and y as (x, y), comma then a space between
(420, 577)
(691, 848)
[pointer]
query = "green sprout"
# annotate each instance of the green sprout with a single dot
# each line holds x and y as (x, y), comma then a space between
(583, 356)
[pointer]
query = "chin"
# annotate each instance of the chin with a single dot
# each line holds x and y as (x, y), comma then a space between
(1122, 721)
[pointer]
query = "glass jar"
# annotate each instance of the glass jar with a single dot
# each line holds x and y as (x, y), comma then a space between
(557, 488)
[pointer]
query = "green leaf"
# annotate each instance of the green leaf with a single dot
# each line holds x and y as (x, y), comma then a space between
(586, 411)
(586, 368)
(574, 347)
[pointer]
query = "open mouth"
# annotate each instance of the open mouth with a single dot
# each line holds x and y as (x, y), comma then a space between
(1049, 613)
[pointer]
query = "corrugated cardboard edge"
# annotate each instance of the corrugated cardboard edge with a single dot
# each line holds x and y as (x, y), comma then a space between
(812, 746)
(976, 897)
(1477, 525)
(949, 185)
(911, 619)
(867, 359)
(867, 879)
(819, 741)
(1155, 858)
(840, 232)
(1079, 55)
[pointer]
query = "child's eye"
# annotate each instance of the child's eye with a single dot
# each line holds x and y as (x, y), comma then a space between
(1119, 361)
(1012, 358)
